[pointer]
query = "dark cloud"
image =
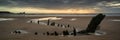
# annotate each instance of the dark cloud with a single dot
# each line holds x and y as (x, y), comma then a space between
(4, 2)
(53, 3)
(60, 4)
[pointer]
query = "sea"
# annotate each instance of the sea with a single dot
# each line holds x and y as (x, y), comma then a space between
(37, 15)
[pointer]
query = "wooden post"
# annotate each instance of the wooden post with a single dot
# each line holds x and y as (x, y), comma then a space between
(38, 21)
(48, 23)
(74, 32)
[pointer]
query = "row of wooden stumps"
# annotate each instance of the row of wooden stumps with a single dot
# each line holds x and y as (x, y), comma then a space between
(64, 33)
(38, 22)
(55, 33)
(17, 32)
(56, 24)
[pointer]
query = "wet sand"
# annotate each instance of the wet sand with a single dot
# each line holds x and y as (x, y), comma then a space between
(6, 27)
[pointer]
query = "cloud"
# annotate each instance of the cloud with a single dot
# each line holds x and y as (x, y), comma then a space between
(49, 3)
(53, 3)
(108, 6)
(113, 4)
(12, 2)
(63, 4)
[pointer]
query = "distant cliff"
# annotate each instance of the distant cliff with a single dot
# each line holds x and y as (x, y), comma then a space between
(5, 12)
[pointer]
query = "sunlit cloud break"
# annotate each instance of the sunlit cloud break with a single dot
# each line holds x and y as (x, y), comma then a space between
(42, 10)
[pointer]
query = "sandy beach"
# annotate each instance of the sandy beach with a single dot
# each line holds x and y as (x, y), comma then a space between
(110, 25)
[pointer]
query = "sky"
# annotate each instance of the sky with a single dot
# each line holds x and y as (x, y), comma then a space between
(61, 6)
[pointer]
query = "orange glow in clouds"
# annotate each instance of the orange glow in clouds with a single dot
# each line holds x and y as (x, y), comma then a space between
(41, 10)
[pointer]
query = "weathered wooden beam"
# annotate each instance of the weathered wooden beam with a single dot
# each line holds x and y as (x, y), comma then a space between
(94, 23)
